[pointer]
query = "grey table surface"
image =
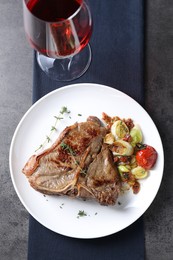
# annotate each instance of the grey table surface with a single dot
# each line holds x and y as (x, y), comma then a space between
(16, 97)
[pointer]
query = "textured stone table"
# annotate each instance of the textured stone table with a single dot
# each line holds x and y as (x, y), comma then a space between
(15, 99)
(159, 103)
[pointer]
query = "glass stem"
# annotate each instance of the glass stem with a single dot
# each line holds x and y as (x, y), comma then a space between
(69, 63)
(66, 63)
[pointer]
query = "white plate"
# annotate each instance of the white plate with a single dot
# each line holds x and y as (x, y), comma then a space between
(60, 213)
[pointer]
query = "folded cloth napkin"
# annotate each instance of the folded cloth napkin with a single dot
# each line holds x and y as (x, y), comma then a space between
(117, 48)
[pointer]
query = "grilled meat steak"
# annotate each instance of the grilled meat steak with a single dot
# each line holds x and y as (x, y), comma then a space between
(78, 164)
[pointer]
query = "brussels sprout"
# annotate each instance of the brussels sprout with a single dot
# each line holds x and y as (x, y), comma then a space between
(121, 147)
(119, 129)
(136, 135)
(139, 172)
(109, 139)
(133, 162)
(123, 168)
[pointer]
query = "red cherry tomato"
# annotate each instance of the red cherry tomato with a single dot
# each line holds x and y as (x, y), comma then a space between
(146, 157)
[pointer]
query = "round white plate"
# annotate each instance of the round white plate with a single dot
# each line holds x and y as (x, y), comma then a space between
(60, 213)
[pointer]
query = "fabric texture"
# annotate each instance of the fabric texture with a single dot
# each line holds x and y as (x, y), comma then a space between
(117, 61)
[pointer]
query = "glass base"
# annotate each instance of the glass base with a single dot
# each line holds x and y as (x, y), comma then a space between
(66, 69)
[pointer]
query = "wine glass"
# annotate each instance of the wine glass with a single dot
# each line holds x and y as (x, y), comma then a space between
(59, 30)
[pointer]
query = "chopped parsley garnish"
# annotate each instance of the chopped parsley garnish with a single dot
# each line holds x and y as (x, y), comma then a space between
(81, 213)
(61, 206)
(64, 110)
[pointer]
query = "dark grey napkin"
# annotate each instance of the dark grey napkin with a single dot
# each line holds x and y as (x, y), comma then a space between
(117, 47)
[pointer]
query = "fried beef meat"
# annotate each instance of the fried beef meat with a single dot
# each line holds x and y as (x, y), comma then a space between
(78, 164)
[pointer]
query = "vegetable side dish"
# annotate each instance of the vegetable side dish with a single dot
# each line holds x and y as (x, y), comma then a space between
(132, 158)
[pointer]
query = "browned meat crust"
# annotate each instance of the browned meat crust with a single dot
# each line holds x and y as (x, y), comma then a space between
(77, 164)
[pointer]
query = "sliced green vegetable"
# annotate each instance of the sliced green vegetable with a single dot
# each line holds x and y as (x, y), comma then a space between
(123, 168)
(119, 129)
(121, 147)
(133, 162)
(139, 172)
(136, 135)
(109, 138)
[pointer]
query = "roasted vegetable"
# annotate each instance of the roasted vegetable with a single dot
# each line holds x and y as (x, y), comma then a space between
(136, 135)
(121, 147)
(119, 129)
(139, 172)
(146, 157)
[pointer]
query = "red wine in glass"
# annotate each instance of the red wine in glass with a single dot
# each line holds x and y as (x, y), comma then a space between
(59, 30)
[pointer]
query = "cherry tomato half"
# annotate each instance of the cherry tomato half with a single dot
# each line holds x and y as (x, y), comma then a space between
(146, 157)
